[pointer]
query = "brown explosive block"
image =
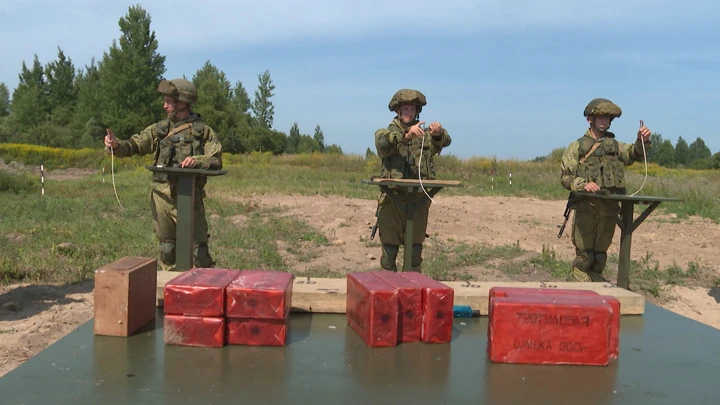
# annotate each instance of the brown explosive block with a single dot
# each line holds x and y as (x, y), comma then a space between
(257, 332)
(194, 330)
(410, 314)
(372, 309)
(198, 292)
(437, 304)
(259, 294)
(124, 296)
(541, 329)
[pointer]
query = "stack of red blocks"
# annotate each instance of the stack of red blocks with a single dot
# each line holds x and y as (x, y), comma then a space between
(195, 307)
(552, 326)
(258, 308)
(214, 307)
(386, 308)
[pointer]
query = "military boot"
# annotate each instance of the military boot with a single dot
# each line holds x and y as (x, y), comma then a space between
(389, 256)
(578, 275)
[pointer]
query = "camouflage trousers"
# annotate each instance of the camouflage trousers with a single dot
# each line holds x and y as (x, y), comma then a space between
(392, 223)
(163, 203)
(592, 233)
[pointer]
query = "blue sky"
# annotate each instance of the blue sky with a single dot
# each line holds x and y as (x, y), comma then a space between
(508, 78)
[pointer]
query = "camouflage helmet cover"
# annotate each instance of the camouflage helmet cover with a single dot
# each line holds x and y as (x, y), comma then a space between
(179, 89)
(407, 96)
(601, 106)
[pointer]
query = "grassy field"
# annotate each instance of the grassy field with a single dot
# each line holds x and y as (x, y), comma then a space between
(79, 226)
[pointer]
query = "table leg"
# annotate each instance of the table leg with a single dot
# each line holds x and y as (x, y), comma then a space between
(185, 230)
(409, 228)
(626, 217)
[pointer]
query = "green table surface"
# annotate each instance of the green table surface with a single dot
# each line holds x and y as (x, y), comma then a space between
(664, 359)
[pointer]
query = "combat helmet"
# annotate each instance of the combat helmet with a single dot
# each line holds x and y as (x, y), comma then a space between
(407, 96)
(602, 106)
(179, 89)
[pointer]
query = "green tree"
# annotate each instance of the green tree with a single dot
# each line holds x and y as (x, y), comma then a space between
(61, 91)
(87, 109)
(293, 139)
(262, 106)
(319, 137)
(333, 150)
(308, 144)
(664, 153)
(698, 150)
(129, 75)
(4, 100)
(241, 98)
(217, 107)
(716, 160)
(682, 152)
(29, 100)
(369, 154)
(655, 140)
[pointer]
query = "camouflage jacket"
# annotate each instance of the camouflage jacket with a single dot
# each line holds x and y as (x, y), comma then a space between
(604, 164)
(171, 142)
(400, 157)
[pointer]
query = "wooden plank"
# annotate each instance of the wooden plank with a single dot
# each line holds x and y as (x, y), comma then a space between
(328, 295)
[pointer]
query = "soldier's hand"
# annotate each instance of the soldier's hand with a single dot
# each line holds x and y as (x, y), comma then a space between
(110, 140)
(435, 129)
(591, 187)
(188, 162)
(643, 133)
(415, 131)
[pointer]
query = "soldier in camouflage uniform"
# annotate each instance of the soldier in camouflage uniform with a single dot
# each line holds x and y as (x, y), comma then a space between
(403, 146)
(181, 140)
(596, 163)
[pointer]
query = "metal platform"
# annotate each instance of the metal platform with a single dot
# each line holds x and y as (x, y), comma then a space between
(664, 359)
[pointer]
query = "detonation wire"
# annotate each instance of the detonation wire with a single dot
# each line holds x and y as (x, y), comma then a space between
(422, 146)
(112, 173)
(642, 124)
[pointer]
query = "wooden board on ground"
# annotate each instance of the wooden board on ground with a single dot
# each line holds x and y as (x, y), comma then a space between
(327, 295)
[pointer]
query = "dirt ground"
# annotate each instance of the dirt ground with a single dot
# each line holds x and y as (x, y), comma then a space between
(34, 316)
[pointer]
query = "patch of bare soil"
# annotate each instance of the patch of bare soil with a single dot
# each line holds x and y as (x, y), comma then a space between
(34, 316)
(58, 174)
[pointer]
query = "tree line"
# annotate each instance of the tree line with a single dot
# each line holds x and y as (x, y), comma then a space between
(60, 106)
(694, 156)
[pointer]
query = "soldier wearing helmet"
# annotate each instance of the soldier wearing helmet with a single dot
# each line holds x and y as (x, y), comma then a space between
(596, 163)
(407, 151)
(181, 140)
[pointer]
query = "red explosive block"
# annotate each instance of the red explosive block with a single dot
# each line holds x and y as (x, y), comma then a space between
(506, 291)
(372, 309)
(257, 332)
(194, 331)
(536, 329)
(437, 308)
(409, 305)
(260, 295)
(587, 294)
(198, 292)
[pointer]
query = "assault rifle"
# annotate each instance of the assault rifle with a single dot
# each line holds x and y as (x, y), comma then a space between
(375, 227)
(570, 205)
